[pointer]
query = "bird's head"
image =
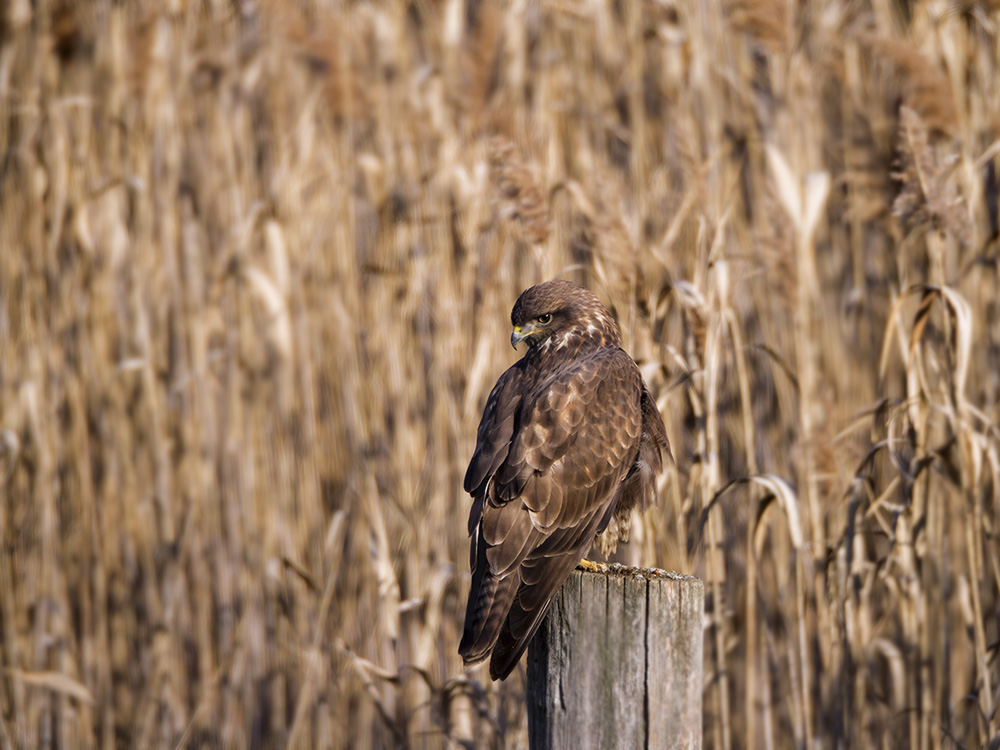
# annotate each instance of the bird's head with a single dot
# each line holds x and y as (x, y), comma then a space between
(560, 313)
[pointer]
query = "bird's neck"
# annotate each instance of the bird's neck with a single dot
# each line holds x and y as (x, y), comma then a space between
(575, 342)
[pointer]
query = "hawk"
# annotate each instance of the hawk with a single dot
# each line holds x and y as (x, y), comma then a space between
(569, 443)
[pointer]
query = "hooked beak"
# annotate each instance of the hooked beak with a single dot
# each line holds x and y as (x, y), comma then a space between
(516, 337)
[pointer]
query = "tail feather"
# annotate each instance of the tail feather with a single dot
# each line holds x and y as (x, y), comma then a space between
(527, 613)
(504, 612)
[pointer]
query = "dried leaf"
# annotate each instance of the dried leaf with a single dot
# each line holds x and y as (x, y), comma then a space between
(788, 188)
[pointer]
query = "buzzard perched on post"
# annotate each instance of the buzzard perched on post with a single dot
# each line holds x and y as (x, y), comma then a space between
(569, 443)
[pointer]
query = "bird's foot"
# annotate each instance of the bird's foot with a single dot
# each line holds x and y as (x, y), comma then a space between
(592, 567)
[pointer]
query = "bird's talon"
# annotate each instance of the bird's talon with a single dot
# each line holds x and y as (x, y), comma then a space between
(592, 567)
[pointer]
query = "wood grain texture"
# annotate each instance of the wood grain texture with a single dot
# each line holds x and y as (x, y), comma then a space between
(618, 663)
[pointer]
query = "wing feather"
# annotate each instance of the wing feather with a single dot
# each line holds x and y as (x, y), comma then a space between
(495, 429)
(489, 601)
(521, 538)
(638, 490)
(550, 486)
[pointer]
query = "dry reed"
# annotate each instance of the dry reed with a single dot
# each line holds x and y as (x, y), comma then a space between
(256, 263)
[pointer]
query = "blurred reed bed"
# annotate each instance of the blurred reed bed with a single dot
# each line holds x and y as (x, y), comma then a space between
(256, 263)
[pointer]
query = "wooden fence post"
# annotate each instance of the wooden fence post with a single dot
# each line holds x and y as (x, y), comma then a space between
(618, 663)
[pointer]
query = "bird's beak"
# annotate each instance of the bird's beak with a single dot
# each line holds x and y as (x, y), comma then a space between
(516, 337)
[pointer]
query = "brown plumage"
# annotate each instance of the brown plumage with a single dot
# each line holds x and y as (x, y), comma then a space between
(570, 442)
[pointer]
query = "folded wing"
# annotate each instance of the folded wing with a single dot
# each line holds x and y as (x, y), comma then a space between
(550, 459)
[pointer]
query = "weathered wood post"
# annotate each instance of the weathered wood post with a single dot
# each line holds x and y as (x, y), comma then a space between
(618, 663)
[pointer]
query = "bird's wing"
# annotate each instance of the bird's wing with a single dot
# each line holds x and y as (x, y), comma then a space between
(639, 487)
(573, 439)
(495, 429)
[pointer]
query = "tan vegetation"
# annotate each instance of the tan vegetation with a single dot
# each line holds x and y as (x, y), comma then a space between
(256, 264)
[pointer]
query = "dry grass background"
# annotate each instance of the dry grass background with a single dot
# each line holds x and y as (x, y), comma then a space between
(257, 262)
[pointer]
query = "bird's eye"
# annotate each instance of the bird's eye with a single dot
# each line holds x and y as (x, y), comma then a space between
(545, 319)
